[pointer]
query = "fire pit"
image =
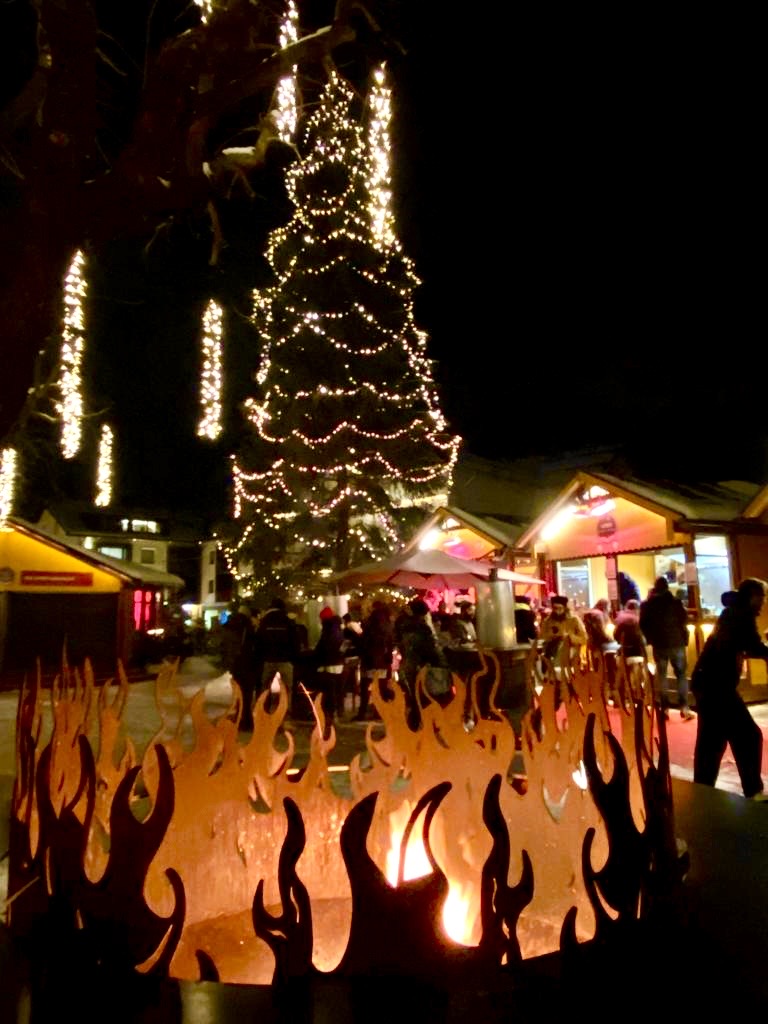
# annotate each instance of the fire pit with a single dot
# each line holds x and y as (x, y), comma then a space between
(222, 862)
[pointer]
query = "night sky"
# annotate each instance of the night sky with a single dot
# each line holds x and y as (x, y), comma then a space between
(581, 200)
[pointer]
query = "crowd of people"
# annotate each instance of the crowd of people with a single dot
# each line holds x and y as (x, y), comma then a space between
(389, 645)
(392, 646)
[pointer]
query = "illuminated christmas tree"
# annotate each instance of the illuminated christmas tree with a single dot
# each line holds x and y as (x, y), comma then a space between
(348, 431)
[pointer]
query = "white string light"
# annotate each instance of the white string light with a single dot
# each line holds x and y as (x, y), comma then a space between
(286, 110)
(104, 467)
(211, 375)
(7, 483)
(70, 403)
(347, 398)
(206, 9)
(379, 176)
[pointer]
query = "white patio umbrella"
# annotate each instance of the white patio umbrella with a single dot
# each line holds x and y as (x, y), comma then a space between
(425, 570)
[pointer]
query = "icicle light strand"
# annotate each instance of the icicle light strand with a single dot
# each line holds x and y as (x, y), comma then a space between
(206, 9)
(70, 403)
(104, 467)
(7, 483)
(286, 110)
(211, 376)
(379, 174)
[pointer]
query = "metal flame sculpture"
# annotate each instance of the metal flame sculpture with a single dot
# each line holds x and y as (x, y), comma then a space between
(217, 862)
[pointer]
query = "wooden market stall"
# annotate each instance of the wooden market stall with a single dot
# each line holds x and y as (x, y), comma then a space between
(602, 536)
(53, 593)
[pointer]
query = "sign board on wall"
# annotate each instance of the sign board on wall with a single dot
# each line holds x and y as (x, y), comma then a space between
(41, 578)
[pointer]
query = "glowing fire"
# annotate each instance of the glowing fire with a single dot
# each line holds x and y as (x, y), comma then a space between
(458, 922)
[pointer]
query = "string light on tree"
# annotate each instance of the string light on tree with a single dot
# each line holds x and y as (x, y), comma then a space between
(7, 483)
(379, 175)
(104, 467)
(286, 108)
(70, 403)
(206, 9)
(346, 424)
(211, 376)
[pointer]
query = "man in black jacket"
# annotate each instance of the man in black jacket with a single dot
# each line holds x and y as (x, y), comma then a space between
(723, 715)
(664, 624)
(277, 645)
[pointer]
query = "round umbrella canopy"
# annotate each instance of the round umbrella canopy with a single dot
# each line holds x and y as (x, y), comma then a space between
(425, 570)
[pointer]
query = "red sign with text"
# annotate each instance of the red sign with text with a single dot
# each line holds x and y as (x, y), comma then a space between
(39, 578)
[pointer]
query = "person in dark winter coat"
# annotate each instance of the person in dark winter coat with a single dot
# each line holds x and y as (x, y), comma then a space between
(664, 624)
(277, 645)
(241, 660)
(329, 663)
(628, 589)
(375, 645)
(525, 621)
(421, 648)
(723, 716)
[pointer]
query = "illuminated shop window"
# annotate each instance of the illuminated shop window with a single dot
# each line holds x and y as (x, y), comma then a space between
(714, 571)
(144, 614)
(573, 577)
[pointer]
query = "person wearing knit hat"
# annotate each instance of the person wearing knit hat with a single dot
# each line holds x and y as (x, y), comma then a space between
(559, 625)
(329, 664)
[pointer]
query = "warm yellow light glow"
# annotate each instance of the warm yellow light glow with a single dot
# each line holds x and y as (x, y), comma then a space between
(211, 375)
(7, 483)
(416, 864)
(104, 467)
(456, 915)
(558, 521)
(70, 403)
(286, 110)
(430, 540)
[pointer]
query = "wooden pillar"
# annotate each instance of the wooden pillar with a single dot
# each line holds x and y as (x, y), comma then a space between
(734, 558)
(694, 596)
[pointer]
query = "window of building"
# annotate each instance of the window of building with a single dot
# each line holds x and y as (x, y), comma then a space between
(114, 551)
(670, 564)
(210, 586)
(212, 557)
(139, 526)
(714, 571)
(147, 556)
(573, 577)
